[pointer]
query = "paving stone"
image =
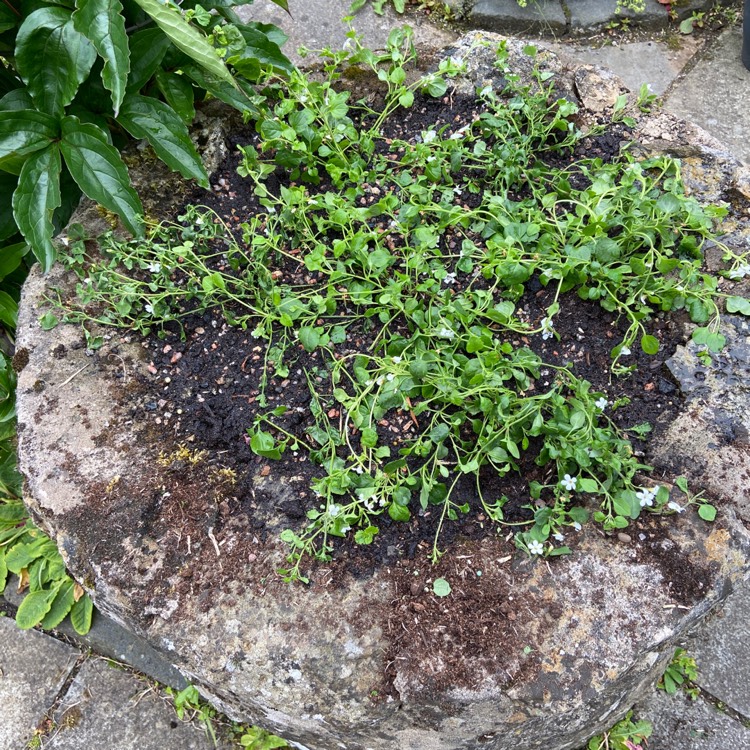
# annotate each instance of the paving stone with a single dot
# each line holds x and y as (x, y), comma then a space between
(505, 16)
(106, 707)
(653, 63)
(683, 724)
(722, 652)
(715, 94)
(33, 670)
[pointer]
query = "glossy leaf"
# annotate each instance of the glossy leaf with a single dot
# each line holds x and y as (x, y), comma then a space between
(235, 97)
(52, 58)
(179, 93)
(35, 200)
(147, 50)
(99, 171)
(146, 117)
(8, 184)
(7, 18)
(17, 99)
(21, 133)
(261, 49)
(102, 22)
(187, 38)
(11, 257)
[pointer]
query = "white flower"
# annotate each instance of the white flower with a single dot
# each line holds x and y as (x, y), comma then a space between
(601, 403)
(358, 469)
(429, 136)
(548, 330)
(154, 267)
(65, 240)
(149, 308)
(646, 497)
(199, 220)
(380, 380)
(396, 360)
(559, 537)
(450, 278)
(536, 548)
(577, 526)
(334, 510)
(624, 351)
(740, 272)
(569, 482)
(390, 376)
(445, 333)
(672, 505)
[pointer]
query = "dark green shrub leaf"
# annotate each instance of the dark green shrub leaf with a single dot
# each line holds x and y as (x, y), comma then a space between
(80, 615)
(102, 22)
(52, 58)
(61, 605)
(34, 607)
(179, 93)
(186, 38)
(146, 117)
(98, 170)
(234, 97)
(147, 50)
(35, 200)
(7, 18)
(17, 99)
(21, 133)
(260, 49)
(8, 310)
(8, 226)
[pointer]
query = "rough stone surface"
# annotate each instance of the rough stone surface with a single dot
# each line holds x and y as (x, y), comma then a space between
(690, 725)
(695, 99)
(106, 707)
(546, 16)
(722, 654)
(33, 670)
(599, 625)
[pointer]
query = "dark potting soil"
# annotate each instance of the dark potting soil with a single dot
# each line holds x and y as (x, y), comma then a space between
(204, 390)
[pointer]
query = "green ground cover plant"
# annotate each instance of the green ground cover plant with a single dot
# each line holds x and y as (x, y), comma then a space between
(436, 268)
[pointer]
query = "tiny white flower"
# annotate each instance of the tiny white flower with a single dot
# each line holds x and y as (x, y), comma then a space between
(429, 136)
(601, 403)
(536, 548)
(199, 220)
(559, 537)
(65, 241)
(149, 308)
(548, 330)
(334, 510)
(458, 135)
(396, 360)
(577, 526)
(446, 333)
(569, 482)
(380, 380)
(154, 267)
(624, 351)
(358, 469)
(645, 497)
(672, 505)
(740, 272)
(390, 376)
(457, 190)
(344, 529)
(450, 278)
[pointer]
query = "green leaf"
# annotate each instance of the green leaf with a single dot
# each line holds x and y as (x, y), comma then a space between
(81, 614)
(441, 587)
(714, 342)
(61, 605)
(179, 93)
(738, 305)
(365, 536)
(34, 607)
(649, 344)
(147, 50)
(8, 311)
(7, 18)
(48, 321)
(399, 512)
(8, 226)
(11, 257)
(261, 50)
(369, 437)
(263, 444)
(234, 97)
(99, 171)
(159, 124)
(309, 338)
(21, 133)
(102, 22)
(707, 512)
(52, 58)
(187, 38)
(17, 99)
(35, 200)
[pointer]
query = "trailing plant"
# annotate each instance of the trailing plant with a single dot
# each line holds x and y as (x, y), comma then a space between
(433, 267)
(625, 735)
(78, 79)
(681, 674)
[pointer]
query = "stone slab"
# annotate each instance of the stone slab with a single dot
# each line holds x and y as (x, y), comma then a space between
(636, 63)
(715, 94)
(107, 707)
(320, 24)
(722, 652)
(33, 670)
(683, 724)
(589, 15)
(505, 16)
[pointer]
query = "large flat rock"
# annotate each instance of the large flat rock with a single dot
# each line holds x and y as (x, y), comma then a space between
(526, 655)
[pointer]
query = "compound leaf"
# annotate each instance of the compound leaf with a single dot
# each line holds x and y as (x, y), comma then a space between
(35, 200)
(102, 22)
(146, 117)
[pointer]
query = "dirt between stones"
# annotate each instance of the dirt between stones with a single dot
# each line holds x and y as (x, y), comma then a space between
(216, 509)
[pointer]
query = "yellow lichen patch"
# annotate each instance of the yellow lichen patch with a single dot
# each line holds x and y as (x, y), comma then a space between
(182, 453)
(225, 476)
(112, 484)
